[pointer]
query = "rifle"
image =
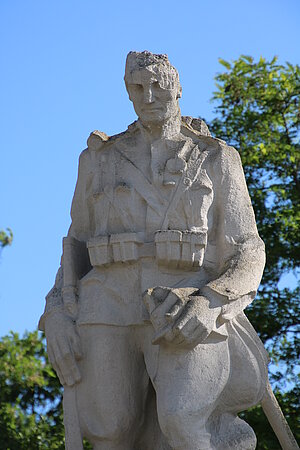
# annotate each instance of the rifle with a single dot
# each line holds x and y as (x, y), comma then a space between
(73, 437)
(277, 420)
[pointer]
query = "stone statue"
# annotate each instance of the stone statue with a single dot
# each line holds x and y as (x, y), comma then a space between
(145, 324)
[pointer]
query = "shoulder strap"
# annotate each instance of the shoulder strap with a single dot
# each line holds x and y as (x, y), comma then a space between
(188, 177)
(147, 190)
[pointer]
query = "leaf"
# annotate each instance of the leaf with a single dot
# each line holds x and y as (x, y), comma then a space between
(224, 63)
(249, 59)
(6, 238)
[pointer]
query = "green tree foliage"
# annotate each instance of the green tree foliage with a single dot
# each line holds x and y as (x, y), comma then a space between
(6, 237)
(31, 415)
(258, 112)
(30, 396)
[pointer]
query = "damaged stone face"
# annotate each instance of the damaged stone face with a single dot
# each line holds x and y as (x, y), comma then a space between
(145, 324)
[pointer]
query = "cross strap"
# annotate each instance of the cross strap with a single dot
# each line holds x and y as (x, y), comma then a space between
(142, 185)
(187, 178)
(152, 195)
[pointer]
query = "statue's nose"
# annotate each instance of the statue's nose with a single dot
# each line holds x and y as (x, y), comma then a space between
(148, 94)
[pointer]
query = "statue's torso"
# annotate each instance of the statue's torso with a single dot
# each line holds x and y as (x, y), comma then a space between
(130, 190)
(134, 189)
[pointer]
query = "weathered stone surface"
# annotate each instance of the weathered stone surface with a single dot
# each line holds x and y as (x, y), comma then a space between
(145, 324)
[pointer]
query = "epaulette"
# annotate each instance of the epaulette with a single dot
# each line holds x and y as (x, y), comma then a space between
(196, 126)
(96, 140)
(197, 129)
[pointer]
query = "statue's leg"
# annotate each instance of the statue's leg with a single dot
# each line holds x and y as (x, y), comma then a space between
(229, 432)
(248, 362)
(200, 391)
(111, 395)
(245, 388)
(188, 386)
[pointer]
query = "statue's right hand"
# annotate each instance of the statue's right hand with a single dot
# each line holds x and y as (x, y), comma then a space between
(63, 347)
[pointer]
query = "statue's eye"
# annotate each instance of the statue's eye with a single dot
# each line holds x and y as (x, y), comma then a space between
(136, 87)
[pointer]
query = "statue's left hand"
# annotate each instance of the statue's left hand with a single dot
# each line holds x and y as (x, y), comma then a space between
(182, 317)
(63, 347)
(194, 322)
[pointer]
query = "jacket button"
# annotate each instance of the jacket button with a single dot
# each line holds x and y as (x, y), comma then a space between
(187, 182)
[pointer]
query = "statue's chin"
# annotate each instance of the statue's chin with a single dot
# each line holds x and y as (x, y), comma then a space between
(158, 120)
(153, 123)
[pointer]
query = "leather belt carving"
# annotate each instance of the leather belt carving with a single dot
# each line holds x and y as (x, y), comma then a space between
(171, 248)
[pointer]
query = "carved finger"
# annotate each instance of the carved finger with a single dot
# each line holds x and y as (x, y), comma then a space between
(175, 310)
(63, 346)
(54, 364)
(165, 306)
(186, 332)
(76, 345)
(65, 360)
(154, 297)
(59, 374)
(71, 371)
(50, 353)
(183, 319)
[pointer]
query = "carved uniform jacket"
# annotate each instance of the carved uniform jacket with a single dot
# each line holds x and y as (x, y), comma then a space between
(172, 213)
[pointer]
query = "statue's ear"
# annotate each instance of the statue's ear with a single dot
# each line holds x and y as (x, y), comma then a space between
(179, 94)
(128, 90)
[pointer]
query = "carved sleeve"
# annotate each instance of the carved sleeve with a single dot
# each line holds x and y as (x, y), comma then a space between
(240, 250)
(73, 244)
(80, 226)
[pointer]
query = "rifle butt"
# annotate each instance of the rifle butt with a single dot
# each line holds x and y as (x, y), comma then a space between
(277, 420)
(73, 435)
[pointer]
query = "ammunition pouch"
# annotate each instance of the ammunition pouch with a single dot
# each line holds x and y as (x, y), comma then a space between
(180, 249)
(172, 248)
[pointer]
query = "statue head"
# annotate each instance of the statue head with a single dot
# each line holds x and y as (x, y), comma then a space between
(153, 87)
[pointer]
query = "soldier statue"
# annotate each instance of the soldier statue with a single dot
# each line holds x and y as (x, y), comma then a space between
(145, 324)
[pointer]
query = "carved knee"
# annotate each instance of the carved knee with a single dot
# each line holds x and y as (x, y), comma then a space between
(184, 429)
(108, 431)
(229, 432)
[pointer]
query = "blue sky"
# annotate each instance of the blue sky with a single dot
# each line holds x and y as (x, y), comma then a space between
(62, 67)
